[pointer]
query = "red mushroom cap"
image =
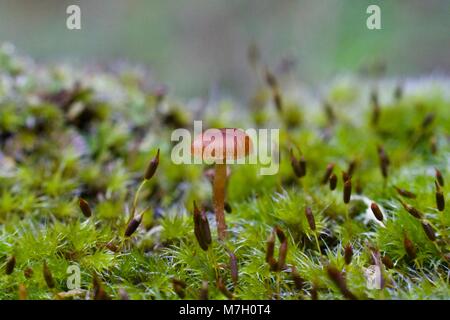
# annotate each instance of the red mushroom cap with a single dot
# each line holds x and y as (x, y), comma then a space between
(220, 145)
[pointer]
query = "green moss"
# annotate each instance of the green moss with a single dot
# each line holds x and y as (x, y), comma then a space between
(99, 145)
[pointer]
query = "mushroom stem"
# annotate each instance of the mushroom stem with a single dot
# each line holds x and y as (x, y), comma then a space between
(220, 177)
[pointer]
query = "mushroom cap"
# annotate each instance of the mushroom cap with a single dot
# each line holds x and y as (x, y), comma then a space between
(220, 145)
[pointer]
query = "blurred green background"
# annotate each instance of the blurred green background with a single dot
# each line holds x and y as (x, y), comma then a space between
(197, 45)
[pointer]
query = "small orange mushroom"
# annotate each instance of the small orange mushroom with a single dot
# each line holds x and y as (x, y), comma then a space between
(219, 147)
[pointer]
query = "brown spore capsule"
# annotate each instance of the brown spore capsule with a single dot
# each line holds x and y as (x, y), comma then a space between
(348, 253)
(99, 292)
(383, 161)
(299, 282)
(428, 120)
(280, 233)
(429, 230)
(375, 107)
(338, 278)
(376, 211)
(409, 247)
(271, 79)
(345, 176)
(310, 217)
(10, 264)
(28, 272)
(411, 210)
(333, 182)
(282, 254)
(48, 277)
(351, 167)
(328, 172)
(347, 191)
(440, 200)
(270, 247)
(439, 177)
(84, 207)
(152, 166)
(179, 287)
(201, 228)
(405, 193)
(387, 262)
(133, 225)
(299, 167)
